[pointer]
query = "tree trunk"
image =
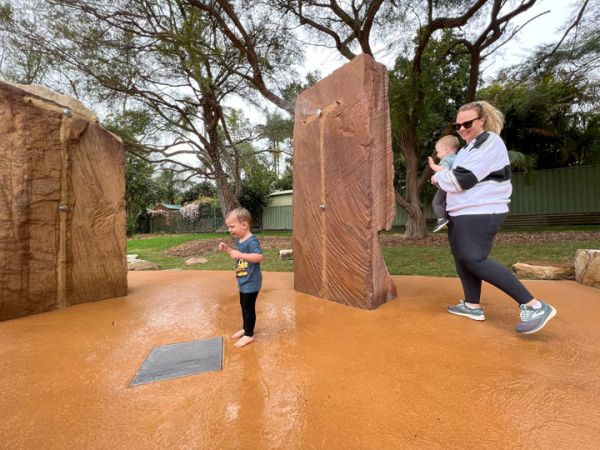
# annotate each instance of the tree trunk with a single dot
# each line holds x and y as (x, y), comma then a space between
(227, 201)
(415, 221)
(416, 225)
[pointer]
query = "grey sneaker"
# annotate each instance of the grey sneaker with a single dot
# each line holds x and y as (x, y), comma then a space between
(533, 320)
(440, 225)
(463, 310)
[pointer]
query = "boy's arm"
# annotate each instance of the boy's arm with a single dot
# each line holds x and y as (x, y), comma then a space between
(255, 255)
(250, 257)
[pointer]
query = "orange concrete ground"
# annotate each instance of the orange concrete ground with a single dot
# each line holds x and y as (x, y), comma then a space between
(319, 376)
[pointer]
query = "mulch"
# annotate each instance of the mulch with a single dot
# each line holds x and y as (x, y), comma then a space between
(204, 246)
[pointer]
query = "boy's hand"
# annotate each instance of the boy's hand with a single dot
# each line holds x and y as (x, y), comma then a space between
(223, 247)
(234, 254)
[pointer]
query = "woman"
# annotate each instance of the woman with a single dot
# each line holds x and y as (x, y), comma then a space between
(478, 192)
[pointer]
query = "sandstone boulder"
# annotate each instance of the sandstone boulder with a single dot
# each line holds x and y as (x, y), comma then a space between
(554, 271)
(62, 180)
(343, 186)
(191, 261)
(286, 254)
(141, 264)
(587, 267)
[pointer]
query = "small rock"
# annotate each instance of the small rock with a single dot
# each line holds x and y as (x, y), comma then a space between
(140, 264)
(132, 257)
(286, 254)
(191, 261)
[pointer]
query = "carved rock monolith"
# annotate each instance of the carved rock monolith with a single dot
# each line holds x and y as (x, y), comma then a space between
(62, 181)
(343, 186)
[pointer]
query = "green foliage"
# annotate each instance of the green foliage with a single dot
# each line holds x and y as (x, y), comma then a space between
(546, 118)
(286, 181)
(169, 187)
(256, 187)
(140, 189)
(425, 102)
(140, 192)
(441, 83)
(196, 191)
(520, 161)
(277, 128)
(294, 88)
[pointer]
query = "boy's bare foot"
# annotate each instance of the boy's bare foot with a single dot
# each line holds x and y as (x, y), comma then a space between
(245, 340)
(237, 334)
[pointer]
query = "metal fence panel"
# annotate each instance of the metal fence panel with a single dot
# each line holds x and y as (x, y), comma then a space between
(277, 218)
(543, 192)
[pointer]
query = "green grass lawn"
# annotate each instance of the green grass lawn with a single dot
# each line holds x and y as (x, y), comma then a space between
(438, 261)
(405, 260)
(152, 249)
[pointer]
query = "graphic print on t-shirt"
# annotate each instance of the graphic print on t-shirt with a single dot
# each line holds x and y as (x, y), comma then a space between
(241, 269)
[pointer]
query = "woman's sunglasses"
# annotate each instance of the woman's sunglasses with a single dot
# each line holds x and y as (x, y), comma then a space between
(467, 124)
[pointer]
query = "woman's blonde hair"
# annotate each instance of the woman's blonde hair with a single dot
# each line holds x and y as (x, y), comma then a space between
(494, 119)
(240, 214)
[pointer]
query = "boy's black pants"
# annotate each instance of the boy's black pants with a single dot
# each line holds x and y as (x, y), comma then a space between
(248, 304)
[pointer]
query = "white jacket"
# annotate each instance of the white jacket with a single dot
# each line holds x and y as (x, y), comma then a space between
(479, 182)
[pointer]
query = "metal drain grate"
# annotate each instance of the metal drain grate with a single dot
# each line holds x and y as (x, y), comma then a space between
(180, 360)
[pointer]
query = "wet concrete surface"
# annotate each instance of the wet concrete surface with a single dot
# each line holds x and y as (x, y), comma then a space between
(319, 375)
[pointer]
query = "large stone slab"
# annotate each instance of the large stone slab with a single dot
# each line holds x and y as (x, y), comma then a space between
(343, 186)
(62, 184)
(587, 267)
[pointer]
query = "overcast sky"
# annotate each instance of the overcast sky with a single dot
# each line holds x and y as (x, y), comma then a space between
(543, 29)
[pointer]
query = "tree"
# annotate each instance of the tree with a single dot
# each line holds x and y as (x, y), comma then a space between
(349, 26)
(552, 119)
(140, 189)
(256, 186)
(170, 58)
(551, 100)
(286, 181)
(201, 190)
(169, 186)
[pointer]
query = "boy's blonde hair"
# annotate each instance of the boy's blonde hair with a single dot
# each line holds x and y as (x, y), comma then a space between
(240, 214)
(494, 119)
(449, 141)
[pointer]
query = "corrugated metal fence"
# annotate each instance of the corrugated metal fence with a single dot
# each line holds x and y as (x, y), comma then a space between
(538, 196)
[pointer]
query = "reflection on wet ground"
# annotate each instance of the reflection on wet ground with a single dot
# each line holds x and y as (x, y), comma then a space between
(319, 375)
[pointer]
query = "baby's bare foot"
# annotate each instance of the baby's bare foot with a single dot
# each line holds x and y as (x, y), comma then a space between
(245, 340)
(237, 334)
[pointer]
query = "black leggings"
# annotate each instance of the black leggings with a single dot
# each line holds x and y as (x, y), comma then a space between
(248, 304)
(471, 238)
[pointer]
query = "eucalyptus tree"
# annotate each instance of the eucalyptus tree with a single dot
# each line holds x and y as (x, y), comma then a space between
(552, 100)
(263, 42)
(169, 58)
(411, 28)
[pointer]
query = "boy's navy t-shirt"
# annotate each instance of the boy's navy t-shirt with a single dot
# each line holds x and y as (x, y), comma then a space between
(249, 276)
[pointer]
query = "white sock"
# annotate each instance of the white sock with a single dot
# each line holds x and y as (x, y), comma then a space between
(537, 304)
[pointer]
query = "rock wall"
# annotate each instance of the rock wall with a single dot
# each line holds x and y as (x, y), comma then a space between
(343, 186)
(62, 188)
